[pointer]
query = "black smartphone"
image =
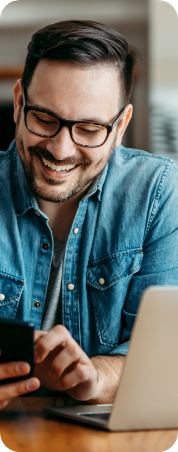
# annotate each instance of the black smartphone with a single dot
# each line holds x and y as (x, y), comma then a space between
(16, 344)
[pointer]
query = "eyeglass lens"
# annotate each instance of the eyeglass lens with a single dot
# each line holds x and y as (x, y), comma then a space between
(84, 134)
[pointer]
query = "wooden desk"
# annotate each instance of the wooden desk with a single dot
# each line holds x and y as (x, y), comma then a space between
(24, 428)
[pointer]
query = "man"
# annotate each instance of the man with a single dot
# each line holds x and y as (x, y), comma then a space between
(86, 225)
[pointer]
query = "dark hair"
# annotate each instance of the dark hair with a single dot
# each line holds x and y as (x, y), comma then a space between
(82, 43)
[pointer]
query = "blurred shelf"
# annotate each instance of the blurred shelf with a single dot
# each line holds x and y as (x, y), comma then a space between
(10, 72)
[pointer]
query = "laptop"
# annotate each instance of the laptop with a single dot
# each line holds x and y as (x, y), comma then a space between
(147, 396)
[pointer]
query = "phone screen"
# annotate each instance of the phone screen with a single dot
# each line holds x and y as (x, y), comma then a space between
(16, 344)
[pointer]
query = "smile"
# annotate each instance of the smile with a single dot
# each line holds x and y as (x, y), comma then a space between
(57, 168)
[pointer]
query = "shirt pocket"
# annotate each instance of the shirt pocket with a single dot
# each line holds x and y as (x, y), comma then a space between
(108, 283)
(11, 289)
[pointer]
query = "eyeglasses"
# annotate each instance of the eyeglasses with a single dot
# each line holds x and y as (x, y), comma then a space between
(47, 125)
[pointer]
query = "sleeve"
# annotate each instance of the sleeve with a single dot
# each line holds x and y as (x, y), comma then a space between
(160, 253)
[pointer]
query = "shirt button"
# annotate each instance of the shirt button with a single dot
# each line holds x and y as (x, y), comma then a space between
(37, 304)
(37, 213)
(2, 296)
(76, 230)
(70, 286)
(46, 246)
(101, 281)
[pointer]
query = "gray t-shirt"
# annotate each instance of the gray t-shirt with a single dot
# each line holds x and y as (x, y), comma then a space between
(52, 314)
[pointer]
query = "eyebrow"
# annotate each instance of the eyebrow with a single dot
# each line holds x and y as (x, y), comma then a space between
(94, 120)
(90, 120)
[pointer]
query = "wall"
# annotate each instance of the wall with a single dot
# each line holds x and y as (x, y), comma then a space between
(163, 71)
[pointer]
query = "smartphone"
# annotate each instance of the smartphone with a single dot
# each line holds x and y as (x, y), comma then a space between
(16, 344)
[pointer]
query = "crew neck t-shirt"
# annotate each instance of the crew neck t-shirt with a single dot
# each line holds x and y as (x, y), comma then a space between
(52, 314)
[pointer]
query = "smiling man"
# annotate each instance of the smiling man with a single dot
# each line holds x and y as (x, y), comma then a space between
(73, 153)
(86, 225)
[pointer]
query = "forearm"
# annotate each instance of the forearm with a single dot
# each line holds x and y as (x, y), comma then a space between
(109, 370)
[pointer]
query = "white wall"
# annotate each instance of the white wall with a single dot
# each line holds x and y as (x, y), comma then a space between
(163, 44)
(35, 12)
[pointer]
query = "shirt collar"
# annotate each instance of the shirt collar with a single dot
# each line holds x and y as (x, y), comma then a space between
(97, 184)
(22, 194)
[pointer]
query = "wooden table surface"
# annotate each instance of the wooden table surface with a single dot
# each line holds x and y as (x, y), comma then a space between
(24, 428)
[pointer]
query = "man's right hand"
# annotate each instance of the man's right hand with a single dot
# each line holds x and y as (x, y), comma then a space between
(12, 390)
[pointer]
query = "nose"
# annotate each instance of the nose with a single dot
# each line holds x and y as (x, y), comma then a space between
(61, 146)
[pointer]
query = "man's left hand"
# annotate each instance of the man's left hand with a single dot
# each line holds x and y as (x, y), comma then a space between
(62, 365)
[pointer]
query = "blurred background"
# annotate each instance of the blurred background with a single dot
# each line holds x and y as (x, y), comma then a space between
(151, 26)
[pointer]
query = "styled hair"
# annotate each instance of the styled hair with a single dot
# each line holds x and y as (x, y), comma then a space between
(82, 43)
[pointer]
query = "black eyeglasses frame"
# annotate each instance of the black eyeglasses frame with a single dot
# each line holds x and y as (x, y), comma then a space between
(69, 124)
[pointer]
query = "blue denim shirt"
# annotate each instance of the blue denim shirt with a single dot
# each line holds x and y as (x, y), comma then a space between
(128, 237)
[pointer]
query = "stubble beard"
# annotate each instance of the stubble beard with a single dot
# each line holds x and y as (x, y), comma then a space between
(47, 194)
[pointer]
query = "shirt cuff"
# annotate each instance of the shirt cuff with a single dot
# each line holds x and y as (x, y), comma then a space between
(122, 349)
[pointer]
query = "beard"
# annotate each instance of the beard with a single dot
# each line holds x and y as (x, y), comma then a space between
(45, 188)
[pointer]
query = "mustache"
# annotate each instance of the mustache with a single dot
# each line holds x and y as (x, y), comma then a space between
(43, 152)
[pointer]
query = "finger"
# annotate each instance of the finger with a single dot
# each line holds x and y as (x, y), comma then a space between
(59, 335)
(13, 369)
(77, 376)
(4, 403)
(72, 353)
(12, 390)
(38, 334)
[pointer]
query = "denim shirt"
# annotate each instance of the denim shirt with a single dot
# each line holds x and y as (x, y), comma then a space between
(127, 240)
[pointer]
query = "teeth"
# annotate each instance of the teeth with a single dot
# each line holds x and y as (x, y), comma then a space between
(57, 168)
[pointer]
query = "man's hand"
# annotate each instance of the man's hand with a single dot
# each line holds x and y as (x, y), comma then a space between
(12, 390)
(62, 365)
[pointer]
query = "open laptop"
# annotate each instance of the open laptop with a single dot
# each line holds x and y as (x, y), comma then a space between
(147, 396)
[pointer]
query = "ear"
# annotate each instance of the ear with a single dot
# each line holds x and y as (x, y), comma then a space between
(18, 90)
(127, 114)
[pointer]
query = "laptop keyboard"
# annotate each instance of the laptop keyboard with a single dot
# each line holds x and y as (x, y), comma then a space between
(100, 416)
